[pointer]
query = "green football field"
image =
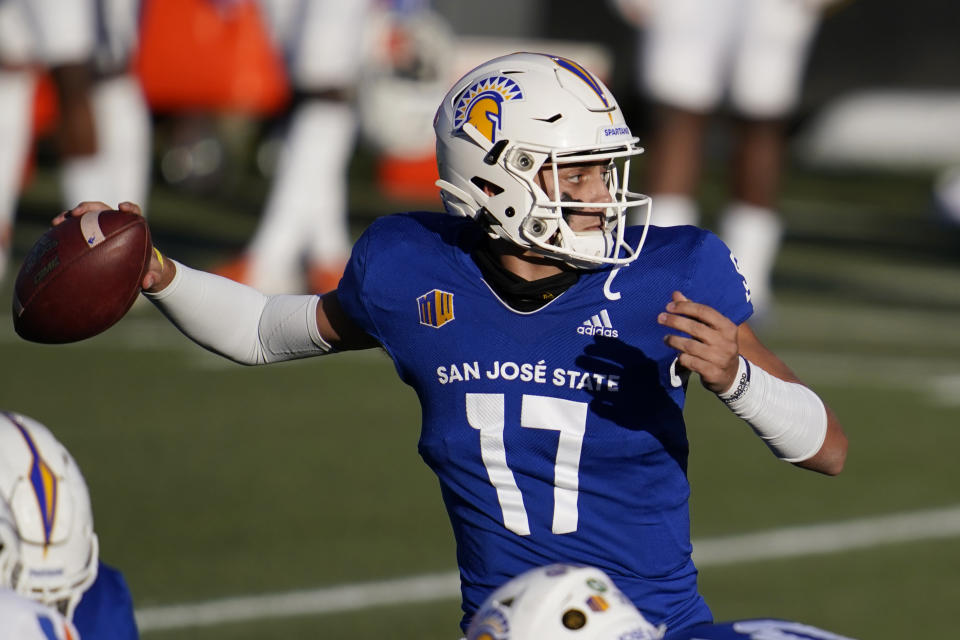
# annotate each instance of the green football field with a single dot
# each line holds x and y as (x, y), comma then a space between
(213, 481)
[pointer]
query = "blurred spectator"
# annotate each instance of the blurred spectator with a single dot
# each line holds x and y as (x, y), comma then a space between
(305, 222)
(103, 130)
(696, 55)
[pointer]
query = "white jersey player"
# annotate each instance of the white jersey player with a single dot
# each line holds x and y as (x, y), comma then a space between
(696, 55)
(305, 217)
(103, 137)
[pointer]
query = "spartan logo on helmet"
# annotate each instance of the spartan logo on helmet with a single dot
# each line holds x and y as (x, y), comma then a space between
(480, 104)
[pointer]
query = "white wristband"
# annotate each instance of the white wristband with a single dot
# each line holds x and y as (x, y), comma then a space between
(790, 418)
(237, 321)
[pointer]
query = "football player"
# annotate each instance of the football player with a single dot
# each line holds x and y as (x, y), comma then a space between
(560, 601)
(581, 603)
(23, 619)
(104, 127)
(305, 216)
(59, 550)
(550, 345)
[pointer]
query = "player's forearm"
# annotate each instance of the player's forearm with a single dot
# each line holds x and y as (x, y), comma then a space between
(832, 455)
(789, 417)
(236, 321)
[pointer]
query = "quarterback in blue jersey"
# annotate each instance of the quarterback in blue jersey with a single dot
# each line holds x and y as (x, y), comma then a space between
(549, 345)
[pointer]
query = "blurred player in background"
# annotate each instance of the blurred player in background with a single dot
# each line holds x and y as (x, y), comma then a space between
(20, 617)
(304, 229)
(581, 603)
(104, 126)
(549, 344)
(59, 550)
(696, 55)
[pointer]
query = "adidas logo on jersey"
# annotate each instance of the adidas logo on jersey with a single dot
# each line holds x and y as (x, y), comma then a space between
(598, 325)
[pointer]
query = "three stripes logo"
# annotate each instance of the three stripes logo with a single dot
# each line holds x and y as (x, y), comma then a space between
(436, 308)
(598, 325)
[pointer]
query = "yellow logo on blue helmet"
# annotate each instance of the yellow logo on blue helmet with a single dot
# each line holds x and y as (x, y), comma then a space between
(481, 105)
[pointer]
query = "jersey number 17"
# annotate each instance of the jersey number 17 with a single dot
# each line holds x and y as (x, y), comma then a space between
(485, 412)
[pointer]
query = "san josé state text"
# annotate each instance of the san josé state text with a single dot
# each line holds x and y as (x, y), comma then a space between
(538, 373)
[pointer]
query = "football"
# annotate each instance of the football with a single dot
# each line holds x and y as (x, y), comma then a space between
(81, 277)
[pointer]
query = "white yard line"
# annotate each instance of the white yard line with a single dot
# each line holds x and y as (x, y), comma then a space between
(774, 544)
(338, 599)
(790, 542)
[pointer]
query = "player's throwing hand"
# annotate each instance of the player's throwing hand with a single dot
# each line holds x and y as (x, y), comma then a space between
(155, 273)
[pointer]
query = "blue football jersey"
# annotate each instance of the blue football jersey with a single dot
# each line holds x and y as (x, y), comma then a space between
(557, 434)
(106, 610)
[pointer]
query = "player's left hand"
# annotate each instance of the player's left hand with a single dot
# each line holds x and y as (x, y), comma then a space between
(712, 348)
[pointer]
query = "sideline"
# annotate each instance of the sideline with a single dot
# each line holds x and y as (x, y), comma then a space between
(788, 542)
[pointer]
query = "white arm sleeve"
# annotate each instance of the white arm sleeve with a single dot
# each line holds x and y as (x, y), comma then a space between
(788, 416)
(237, 321)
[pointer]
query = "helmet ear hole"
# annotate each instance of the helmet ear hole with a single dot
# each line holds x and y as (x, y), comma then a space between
(486, 186)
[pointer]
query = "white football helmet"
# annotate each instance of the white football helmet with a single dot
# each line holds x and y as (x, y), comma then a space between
(561, 601)
(506, 119)
(48, 497)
